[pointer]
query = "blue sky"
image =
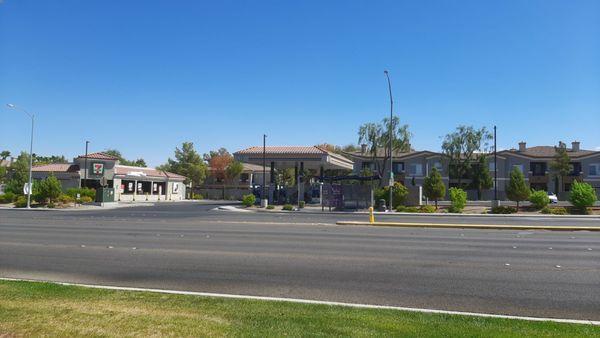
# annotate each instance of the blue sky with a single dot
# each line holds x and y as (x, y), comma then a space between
(144, 76)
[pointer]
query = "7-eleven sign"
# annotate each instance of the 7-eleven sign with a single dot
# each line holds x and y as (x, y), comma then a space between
(98, 168)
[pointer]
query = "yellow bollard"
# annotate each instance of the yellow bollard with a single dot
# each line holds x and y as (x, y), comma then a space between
(371, 216)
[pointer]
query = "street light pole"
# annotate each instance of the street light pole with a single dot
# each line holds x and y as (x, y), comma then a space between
(391, 136)
(264, 198)
(30, 185)
(85, 181)
(495, 167)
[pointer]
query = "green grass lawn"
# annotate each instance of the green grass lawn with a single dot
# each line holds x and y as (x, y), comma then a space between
(35, 309)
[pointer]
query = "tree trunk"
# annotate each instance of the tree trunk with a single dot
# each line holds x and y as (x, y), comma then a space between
(436, 204)
(517, 206)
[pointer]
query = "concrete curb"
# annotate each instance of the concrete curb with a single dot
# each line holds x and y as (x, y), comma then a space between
(95, 208)
(437, 214)
(474, 226)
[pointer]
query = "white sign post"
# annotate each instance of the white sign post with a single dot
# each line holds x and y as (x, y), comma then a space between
(27, 188)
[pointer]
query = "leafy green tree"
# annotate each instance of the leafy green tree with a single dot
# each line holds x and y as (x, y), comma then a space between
(376, 137)
(433, 187)
(234, 170)
(480, 176)
(215, 153)
(582, 195)
(3, 174)
(49, 189)
(19, 174)
(560, 167)
(40, 160)
(187, 163)
(461, 146)
(285, 177)
(517, 190)
(4, 154)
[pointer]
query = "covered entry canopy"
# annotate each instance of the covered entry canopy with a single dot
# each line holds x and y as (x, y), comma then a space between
(309, 157)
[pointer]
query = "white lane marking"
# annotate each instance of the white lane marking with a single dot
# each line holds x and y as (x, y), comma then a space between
(308, 301)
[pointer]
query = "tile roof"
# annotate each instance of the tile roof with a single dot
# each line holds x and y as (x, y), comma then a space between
(99, 156)
(548, 151)
(56, 167)
(249, 167)
(382, 153)
(271, 150)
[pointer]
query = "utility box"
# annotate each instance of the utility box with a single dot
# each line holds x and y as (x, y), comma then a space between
(105, 195)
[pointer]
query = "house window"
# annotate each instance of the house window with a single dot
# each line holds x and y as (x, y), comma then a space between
(398, 167)
(594, 169)
(244, 177)
(492, 166)
(367, 165)
(415, 169)
(438, 166)
(538, 168)
(575, 168)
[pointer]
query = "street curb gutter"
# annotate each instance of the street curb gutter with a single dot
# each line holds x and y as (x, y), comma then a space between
(474, 226)
(433, 214)
(316, 302)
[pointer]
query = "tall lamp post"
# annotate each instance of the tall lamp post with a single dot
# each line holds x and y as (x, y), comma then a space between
(391, 136)
(264, 198)
(32, 116)
(495, 168)
(86, 164)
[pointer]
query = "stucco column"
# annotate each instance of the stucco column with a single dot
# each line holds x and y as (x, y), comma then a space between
(134, 189)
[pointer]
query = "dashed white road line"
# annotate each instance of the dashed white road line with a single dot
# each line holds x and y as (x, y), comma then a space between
(316, 302)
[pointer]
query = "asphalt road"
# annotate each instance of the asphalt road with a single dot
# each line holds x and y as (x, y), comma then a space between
(186, 246)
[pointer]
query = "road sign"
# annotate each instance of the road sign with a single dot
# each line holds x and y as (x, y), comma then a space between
(27, 188)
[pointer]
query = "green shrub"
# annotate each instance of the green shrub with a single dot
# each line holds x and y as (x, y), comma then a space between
(458, 199)
(554, 211)
(65, 199)
(427, 209)
(582, 196)
(21, 202)
(85, 199)
(8, 197)
(400, 192)
(288, 207)
(91, 193)
(501, 209)
(301, 204)
(51, 205)
(539, 199)
(403, 208)
(422, 209)
(248, 200)
(270, 207)
(197, 196)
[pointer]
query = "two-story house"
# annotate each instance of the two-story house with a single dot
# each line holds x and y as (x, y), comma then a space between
(535, 163)
(409, 168)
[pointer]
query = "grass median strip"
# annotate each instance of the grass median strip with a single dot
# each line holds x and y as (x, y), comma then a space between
(34, 309)
(474, 226)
